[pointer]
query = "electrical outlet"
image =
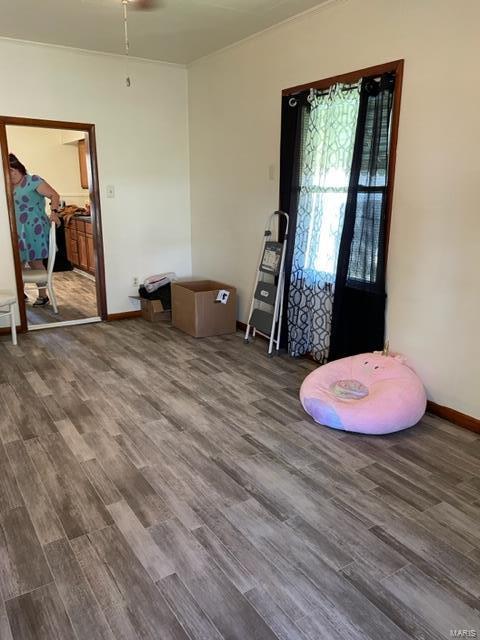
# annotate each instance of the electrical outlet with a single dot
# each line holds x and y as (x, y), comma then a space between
(135, 281)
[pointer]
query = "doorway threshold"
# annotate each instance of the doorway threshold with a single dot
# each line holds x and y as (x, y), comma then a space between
(64, 323)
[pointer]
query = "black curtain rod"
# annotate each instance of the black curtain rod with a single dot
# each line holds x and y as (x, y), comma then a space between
(350, 86)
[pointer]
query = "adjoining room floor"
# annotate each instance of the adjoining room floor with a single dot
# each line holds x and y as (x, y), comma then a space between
(76, 299)
(158, 487)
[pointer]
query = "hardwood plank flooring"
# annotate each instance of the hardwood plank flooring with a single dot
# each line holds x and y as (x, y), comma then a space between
(76, 299)
(158, 487)
(83, 609)
(39, 615)
(24, 567)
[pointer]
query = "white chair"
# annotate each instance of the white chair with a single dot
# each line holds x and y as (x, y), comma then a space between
(9, 299)
(38, 276)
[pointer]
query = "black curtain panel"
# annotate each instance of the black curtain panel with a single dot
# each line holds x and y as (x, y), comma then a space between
(358, 319)
(295, 112)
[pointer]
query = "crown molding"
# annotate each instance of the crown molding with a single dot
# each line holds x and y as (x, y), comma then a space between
(298, 17)
(88, 52)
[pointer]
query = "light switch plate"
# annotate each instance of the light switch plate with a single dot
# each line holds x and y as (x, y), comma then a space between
(110, 191)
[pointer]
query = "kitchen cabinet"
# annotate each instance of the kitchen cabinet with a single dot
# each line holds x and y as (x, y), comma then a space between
(80, 246)
(72, 137)
(82, 159)
(82, 251)
(90, 253)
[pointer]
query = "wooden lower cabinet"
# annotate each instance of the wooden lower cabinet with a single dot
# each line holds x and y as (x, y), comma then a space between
(82, 251)
(80, 246)
(72, 244)
(90, 254)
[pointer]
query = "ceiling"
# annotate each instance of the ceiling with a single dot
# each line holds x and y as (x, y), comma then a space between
(176, 31)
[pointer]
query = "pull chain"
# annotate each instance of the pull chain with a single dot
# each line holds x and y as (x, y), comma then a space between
(127, 42)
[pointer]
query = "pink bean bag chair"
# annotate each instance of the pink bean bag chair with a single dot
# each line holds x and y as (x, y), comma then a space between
(369, 393)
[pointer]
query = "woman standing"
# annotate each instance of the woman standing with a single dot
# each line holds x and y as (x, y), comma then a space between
(33, 224)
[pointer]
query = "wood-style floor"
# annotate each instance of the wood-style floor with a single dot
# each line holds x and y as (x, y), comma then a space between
(76, 299)
(153, 486)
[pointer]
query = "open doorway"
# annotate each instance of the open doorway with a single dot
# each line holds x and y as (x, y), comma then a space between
(60, 270)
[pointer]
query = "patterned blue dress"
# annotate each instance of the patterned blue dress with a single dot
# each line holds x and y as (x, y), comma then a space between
(33, 224)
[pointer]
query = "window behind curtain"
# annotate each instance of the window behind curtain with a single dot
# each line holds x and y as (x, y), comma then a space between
(325, 175)
(366, 213)
(367, 246)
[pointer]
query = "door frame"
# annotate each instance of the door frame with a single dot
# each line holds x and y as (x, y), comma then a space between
(94, 192)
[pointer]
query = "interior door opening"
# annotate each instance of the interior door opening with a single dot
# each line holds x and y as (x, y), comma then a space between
(51, 177)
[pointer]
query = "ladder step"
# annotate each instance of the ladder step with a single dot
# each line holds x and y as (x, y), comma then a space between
(262, 320)
(266, 292)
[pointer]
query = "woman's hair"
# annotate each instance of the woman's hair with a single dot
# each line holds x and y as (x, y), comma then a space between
(15, 163)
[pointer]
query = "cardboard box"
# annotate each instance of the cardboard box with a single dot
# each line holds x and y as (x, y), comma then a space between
(153, 311)
(196, 311)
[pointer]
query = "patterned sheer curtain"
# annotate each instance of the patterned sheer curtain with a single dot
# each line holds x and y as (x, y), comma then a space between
(326, 160)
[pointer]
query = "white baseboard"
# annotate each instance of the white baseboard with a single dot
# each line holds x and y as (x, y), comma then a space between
(84, 274)
(63, 323)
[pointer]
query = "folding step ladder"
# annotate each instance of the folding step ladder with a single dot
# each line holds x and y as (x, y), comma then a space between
(266, 310)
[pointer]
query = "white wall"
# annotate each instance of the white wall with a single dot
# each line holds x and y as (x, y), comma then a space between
(43, 152)
(434, 263)
(142, 145)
